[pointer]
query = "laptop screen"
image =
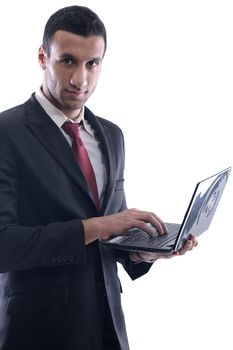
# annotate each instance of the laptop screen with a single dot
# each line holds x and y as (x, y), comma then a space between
(203, 205)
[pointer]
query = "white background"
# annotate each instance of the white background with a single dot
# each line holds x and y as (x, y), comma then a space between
(167, 81)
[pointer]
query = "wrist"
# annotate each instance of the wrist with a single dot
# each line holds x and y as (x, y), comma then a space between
(138, 257)
(91, 230)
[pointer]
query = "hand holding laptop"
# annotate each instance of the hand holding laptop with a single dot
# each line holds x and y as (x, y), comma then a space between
(190, 243)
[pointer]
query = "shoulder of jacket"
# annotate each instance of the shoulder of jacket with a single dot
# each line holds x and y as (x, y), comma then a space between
(15, 113)
(12, 115)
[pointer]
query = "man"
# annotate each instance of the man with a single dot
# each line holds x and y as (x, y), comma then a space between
(59, 287)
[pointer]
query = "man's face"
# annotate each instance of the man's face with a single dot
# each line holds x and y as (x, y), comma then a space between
(71, 71)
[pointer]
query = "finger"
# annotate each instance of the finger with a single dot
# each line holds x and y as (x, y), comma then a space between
(142, 225)
(169, 256)
(156, 222)
(140, 219)
(162, 228)
(188, 246)
(195, 241)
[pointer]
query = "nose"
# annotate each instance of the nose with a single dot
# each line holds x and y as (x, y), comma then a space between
(79, 77)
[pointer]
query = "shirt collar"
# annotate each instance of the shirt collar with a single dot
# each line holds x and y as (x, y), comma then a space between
(57, 116)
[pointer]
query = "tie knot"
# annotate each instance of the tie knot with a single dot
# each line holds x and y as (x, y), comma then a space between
(72, 129)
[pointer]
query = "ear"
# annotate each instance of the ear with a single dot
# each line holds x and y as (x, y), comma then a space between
(42, 57)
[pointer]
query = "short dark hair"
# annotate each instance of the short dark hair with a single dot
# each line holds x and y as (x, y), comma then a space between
(78, 20)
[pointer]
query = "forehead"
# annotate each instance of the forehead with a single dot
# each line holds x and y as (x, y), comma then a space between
(77, 45)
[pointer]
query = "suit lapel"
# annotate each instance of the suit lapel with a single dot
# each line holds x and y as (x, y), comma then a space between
(49, 135)
(107, 145)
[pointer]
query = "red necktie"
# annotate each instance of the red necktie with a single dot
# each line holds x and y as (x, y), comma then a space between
(72, 129)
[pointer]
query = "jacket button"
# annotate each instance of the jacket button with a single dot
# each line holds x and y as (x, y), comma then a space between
(59, 259)
(53, 259)
(65, 258)
(71, 258)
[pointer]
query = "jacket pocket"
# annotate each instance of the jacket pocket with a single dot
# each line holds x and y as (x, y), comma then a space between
(37, 300)
(119, 185)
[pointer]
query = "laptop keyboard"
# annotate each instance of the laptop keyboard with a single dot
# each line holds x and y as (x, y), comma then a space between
(139, 238)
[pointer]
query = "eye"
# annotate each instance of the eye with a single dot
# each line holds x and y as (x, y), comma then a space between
(92, 63)
(67, 60)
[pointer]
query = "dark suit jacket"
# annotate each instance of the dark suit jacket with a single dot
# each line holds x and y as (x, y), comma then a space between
(53, 288)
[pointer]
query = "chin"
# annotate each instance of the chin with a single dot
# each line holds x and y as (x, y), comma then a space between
(73, 106)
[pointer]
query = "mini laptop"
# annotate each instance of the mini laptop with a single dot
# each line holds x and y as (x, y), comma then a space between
(197, 219)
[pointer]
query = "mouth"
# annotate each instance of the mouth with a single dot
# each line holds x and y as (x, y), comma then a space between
(76, 94)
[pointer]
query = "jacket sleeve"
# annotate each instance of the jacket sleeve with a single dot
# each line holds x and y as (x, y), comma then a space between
(23, 247)
(134, 270)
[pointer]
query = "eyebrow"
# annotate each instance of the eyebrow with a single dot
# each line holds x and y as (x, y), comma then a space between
(66, 54)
